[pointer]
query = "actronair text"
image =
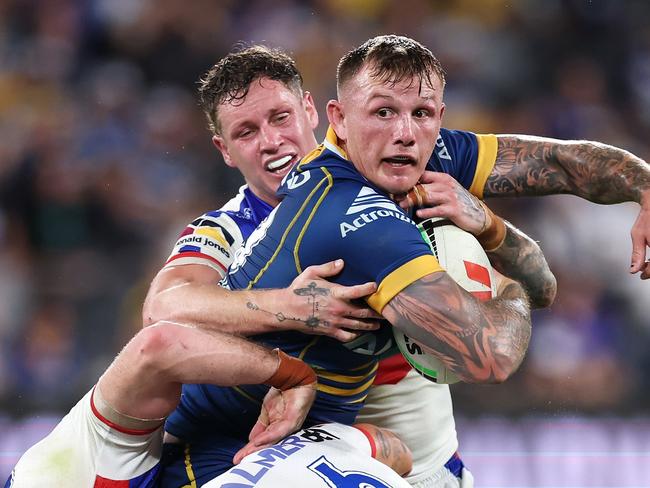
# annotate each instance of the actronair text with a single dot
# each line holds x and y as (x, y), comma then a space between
(366, 218)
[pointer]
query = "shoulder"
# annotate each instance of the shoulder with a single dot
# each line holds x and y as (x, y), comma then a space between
(210, 239)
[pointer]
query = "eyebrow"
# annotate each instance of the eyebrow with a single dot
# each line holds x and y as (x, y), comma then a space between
(390, 97)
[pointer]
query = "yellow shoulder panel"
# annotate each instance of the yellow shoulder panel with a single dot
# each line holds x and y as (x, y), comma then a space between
(402, 277)
(487, 155)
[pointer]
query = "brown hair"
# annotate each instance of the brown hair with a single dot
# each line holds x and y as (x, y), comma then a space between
(229, 80)
(393, 59)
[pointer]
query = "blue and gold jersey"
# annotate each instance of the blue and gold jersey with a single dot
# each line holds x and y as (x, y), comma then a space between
(329, 211)
(466, 156)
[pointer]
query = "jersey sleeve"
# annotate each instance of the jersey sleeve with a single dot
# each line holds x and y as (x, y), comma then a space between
(209, 240)
(373, 236)
(466, 156)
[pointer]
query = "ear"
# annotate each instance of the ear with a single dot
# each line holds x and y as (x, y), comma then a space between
(336, 118)
(310, 108)
(220, 144)
(442, 110)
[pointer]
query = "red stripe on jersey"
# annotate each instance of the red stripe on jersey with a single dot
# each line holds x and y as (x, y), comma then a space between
(192, 254)
(391, 370)
(117, 427)
(106, 483)
(371, 440)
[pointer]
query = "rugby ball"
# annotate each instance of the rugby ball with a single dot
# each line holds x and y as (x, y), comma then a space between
(463, 258)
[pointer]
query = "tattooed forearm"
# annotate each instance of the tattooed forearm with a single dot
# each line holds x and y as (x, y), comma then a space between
(481, 342)
(527, 165)
(520, 258)
(389, 449)
(312, 292)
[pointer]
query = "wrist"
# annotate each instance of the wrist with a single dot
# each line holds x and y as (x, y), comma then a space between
(645, 199)
(291, 372)
(494, 230)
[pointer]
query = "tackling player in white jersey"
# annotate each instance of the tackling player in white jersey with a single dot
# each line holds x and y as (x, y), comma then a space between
(113, 436)
(328, 455)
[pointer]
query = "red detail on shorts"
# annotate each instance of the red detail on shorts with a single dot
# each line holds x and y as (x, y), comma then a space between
(117, 427)
(371, 440)
(478, 273)
(106, 483)
(482, 296)
(391, 370)
(193, 254)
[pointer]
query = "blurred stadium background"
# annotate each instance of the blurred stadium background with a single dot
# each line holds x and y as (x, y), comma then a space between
(104, 156)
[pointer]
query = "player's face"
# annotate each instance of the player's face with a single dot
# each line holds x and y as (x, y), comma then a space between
(389, 130)
(266, 134)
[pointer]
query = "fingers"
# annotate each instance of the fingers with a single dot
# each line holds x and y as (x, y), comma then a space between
(645, 271)
(427, 194)
(358, 325)
(257, 429)
(436, 211)
(435, 177)
(275, 432)
(638, 254)
(255, 443)
(354, 292)
(325, 270)
(246, 450)
(415, 196)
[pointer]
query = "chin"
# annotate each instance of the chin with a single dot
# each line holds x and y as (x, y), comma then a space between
(399, 188)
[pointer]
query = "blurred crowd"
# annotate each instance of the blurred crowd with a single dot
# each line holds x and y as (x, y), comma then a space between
(105, 155)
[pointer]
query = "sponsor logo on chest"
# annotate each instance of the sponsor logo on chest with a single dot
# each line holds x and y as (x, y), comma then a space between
(370, 206)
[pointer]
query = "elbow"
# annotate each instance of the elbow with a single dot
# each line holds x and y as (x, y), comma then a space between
(154, 346)
(490, 375)
(545, 296)
(503, 374)
(162, 301)
(493, 374)
(153, 310)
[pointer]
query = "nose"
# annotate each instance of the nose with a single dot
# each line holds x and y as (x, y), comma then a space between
(404, 134)
(270, 139)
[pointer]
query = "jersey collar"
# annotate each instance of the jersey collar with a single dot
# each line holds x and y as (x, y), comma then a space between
(332, 143)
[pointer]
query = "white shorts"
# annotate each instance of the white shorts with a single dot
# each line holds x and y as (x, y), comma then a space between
(86, 450)
(421, 414)
(444, 478)
(321, 456)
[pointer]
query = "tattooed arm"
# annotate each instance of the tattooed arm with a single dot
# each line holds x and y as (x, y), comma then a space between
(190, 294)
(527, 165)
(389, 449)
(518, 257)
(481, 342)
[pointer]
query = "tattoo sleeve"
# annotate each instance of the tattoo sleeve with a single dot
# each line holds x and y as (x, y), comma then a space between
(521, 259)
(481, 342)
(391, 451)
(527, 165)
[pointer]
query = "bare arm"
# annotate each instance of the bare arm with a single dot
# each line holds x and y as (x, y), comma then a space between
(518, 256)
(145, 379)
(481, 342)
(190, 294)
(597, 172)
(527, 165)
(389, 449)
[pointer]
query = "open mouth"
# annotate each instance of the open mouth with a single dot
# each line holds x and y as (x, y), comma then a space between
(399, 160)
(278, 165)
